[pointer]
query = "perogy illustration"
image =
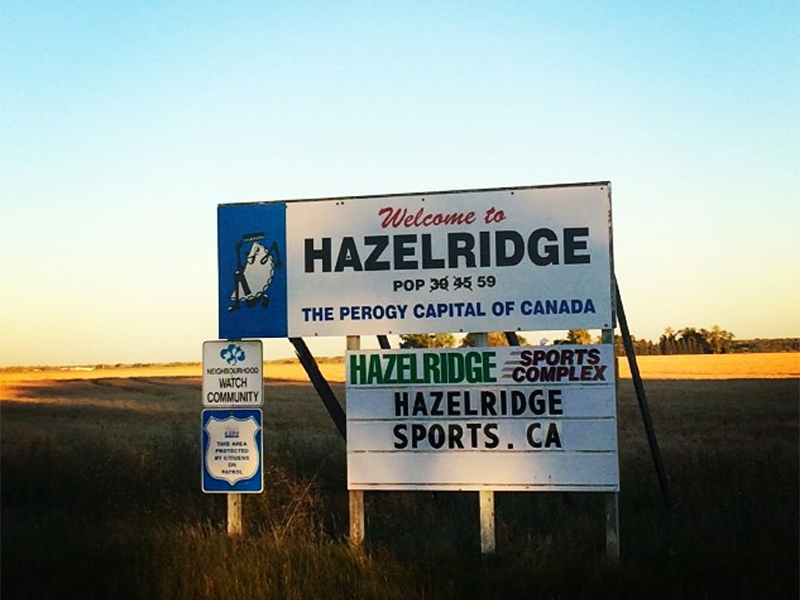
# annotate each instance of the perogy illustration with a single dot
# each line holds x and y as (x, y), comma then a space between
(255, 269)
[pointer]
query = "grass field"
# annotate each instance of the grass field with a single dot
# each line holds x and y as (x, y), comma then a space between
(778, 365)
(100, 498)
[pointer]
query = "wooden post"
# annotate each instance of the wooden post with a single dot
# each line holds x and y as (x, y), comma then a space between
(488, 544)
(357, 525)
(486, 497)
(235, 526)
(356, 497)
(612, 498)
(612, 526)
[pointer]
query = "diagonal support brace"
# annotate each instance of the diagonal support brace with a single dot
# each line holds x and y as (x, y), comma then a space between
(321, 385)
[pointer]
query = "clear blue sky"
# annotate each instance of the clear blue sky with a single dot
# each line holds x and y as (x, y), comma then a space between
(124, 124)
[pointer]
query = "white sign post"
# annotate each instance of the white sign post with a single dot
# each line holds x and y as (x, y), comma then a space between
(233, 374)
(231, 431)
(504, 418)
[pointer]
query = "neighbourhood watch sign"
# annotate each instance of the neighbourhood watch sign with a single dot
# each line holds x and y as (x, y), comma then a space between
(231, 429)
(534, 258)
(233, 373)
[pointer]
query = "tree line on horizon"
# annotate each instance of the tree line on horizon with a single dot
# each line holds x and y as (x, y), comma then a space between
(688, 340)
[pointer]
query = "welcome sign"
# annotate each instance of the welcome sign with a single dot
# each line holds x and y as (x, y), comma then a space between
(533, 258)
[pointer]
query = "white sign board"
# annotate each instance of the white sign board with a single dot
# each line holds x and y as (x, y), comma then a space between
(504, 418)
(233, 373)
(507, 259)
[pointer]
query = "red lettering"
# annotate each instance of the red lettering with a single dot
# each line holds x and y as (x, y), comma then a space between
(400, 217)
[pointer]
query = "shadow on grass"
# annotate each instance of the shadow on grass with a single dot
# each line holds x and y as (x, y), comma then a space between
(105, 503)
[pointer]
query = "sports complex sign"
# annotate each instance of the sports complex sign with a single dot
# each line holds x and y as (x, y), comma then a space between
(502, 418)
(533, 258)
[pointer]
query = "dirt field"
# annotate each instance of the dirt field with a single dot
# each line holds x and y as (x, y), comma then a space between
(783, 365)
(778, 365)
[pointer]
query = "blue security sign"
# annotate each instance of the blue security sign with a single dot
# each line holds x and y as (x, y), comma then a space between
(232, 451)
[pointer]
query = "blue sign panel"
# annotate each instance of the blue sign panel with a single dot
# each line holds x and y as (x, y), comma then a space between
(252, 270)
(231, 443)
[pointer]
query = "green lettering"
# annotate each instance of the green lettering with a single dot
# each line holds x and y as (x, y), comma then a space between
(375, 373)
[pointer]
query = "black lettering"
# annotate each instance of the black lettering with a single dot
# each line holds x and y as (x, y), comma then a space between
(553, 437)
(401, 404)
(572, 245)
(436, 409)
(469, 410)
(488, 402)
(379, 243)
(313, 254)
(599, 373)
(517, 403)
(453, 403)
(492, 441)
(526, 358)
(594, 356)
(436, 436)
(417, 434)
(485, 249)
(548, 253)
(535, 441)
(554, 398)
(473, 433)
(460, 244)
(400, 441)
(420, 407)
(454, 434)
(537, 402)
(403, 246)
(505, 256)
(348, 256)
(428, 262)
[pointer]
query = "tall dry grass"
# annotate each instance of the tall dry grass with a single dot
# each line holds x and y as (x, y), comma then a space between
(100, 490)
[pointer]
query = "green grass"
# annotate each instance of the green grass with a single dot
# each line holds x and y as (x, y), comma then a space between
(101, 499)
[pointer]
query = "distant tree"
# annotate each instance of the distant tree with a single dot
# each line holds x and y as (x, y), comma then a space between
(496, 338)
(576, 336)
(689, 341)
(668, 344)
(579, 336)
(767, 345)
(718, 340)
(644, 347)
(692, 341)
(427, 340)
